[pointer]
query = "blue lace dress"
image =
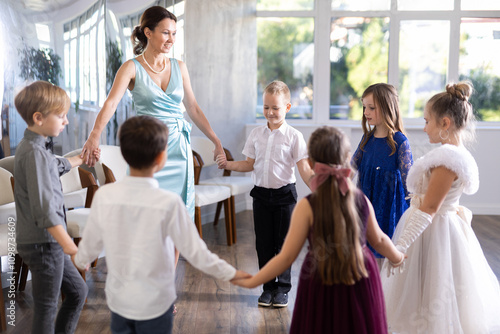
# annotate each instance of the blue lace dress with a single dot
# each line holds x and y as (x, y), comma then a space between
(149, 99)
(382, 177)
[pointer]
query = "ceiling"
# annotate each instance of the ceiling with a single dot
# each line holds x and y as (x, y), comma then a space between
(41, 6)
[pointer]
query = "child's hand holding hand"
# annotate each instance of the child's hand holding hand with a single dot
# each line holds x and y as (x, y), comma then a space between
(240, 274)
(75, 161)
(221, 161)
(80, 270)
(243, 279)
(391, 268)
(245, 283)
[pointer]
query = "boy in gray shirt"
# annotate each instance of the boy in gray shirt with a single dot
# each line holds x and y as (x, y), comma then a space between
(42, 240)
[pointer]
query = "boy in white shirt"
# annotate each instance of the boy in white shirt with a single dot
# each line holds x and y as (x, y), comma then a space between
(272, 151)
(134, 221)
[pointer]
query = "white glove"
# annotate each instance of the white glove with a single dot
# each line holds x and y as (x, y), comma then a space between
(417, 223)
(393, 268)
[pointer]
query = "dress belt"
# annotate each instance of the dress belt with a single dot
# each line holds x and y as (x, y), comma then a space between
(180, 124)
(462, 211)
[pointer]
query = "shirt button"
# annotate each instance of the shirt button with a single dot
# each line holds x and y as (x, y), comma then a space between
(377, 168)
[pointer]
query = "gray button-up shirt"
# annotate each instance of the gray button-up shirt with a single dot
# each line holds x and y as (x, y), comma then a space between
(37, 190)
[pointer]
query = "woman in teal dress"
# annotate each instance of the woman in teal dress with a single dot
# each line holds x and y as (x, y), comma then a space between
(159, 85)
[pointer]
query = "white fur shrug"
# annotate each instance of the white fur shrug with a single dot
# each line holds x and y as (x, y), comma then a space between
(458, 159)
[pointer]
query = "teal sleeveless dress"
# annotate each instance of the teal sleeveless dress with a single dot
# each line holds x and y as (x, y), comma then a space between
(149, 99)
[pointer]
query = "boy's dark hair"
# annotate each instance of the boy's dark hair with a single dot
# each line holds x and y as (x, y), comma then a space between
(42, 97)
(142, 138)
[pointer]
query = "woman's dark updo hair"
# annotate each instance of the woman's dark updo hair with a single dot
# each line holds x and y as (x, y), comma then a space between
(454, 103)
(149, 19)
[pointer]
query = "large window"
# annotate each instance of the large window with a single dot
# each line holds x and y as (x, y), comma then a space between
(423, 63)
(328, 52)
(286, 53)
(479, 62)
(359, 53)
(85, 57)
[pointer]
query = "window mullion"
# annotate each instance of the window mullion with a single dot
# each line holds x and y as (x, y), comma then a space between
(454, 46)
(321, 78)
(393, 66)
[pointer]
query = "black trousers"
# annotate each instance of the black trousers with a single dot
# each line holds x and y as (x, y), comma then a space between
(272, 210)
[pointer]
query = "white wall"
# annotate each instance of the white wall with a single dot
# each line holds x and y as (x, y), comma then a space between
(221, 56)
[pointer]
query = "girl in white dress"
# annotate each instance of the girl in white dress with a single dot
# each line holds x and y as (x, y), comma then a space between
(446, 285)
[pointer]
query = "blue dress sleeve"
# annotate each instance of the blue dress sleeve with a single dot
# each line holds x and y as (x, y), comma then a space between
(405, 161)
(357, 157)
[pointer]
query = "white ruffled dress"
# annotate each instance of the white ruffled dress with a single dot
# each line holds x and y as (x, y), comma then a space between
(447, 285)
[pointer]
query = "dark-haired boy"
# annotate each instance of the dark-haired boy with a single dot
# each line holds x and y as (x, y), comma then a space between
(135, 221)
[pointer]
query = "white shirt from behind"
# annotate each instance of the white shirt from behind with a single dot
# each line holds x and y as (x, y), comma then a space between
(135, 222)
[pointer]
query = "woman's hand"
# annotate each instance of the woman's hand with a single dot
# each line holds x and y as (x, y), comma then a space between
(89, 151)
(219, 150)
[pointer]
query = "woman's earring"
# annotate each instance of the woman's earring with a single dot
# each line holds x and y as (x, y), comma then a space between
(441, 135)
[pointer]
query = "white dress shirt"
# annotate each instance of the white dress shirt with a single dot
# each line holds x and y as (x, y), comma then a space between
(275, 153)
(133, 221)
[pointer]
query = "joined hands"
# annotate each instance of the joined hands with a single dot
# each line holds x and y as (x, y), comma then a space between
(221, 161)
(392, 268)
(242, 278)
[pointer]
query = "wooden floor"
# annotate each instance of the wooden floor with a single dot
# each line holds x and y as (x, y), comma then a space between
(206, 305)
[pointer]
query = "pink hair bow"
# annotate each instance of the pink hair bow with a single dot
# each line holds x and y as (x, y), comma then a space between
(323, 171)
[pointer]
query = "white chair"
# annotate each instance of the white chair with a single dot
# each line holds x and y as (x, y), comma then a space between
(210, 194)
(237, 184)
(7, 163)
(7, 225)
(111, 157)
(73, 192)
(4, 235)
(74, 182)
(79, 187)
(7, 206)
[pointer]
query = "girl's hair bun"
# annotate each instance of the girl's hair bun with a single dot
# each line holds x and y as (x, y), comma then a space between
(461, 90)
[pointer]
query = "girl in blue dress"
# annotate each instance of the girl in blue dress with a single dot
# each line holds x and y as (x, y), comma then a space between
(383, 157)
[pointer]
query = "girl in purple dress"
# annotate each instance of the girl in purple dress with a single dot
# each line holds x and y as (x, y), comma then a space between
(339, 286)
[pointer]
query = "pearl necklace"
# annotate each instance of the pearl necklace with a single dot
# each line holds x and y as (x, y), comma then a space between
(164, 64)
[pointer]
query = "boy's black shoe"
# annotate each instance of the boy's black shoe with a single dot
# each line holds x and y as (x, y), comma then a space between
(280, 299)
(265, 299)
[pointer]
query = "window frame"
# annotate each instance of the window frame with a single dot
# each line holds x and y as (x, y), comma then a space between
(84, 29)
(323, 14)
